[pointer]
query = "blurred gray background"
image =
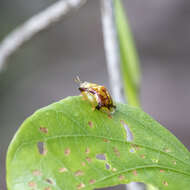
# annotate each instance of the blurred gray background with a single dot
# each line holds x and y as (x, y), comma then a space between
(42, 71)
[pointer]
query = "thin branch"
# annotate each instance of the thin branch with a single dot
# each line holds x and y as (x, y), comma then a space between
(112, 49)
(34, 25)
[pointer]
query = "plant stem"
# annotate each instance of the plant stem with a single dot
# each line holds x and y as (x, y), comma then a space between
(34, 25)
(112, 49)
(129, 56)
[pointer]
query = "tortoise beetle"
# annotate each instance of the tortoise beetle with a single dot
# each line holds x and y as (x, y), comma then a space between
(97, 95)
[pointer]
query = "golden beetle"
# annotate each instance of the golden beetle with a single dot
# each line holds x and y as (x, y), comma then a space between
(97, 95)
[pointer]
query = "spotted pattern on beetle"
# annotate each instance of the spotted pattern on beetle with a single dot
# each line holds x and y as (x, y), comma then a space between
(97, 95)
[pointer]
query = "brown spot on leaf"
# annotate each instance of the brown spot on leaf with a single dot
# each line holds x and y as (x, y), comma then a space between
(92, 181)
(136, 147)
(61, 170)
(83, 164)
(37, 173)
(67, 151)
(161, 171)
(44, 130)
(88, 159)
(87, 151)
(49, 181)
(109, 116)
(47, 188)
(116, 151)
(135, 172)
(122, 122)
(106, 140)
(142, 156)
(121, 177)
(165, 183)
(80, 186)
(90, 124)
(79, 173)
(32, 184)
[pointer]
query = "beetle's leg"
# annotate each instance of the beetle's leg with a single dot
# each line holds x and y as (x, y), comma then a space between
(93, 103)
(98, 106)
(113, 106)
(84, 95)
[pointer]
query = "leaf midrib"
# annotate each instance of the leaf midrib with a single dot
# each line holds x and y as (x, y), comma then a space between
(101, 137)
(123, 113)
(138, 168)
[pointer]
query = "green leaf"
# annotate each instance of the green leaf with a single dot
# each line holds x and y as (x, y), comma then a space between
(69, 146)
(129, 58)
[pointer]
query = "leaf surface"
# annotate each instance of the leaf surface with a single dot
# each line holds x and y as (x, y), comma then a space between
(69, 146)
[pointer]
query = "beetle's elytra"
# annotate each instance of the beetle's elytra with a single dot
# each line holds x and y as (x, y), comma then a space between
(97, 95)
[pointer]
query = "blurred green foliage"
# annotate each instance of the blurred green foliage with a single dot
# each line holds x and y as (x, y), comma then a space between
(129, 58)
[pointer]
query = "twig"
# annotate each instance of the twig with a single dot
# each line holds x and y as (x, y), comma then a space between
(112, 49)
(34, 25)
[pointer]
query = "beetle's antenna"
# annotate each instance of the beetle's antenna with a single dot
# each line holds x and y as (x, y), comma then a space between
(77, 79)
